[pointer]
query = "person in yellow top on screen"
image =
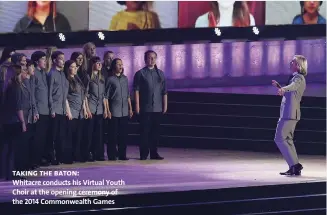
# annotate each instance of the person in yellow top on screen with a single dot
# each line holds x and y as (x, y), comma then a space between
(136, 16)
(226, 14)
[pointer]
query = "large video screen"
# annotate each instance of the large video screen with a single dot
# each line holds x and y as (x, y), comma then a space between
(63, 16)
(130, 15)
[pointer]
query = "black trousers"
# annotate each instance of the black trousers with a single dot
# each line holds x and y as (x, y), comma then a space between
(95, 138)
(33, 149)
(149, 133)
(43, 142)
(59, 126)
(106, 129)
(73, 146)
(16, 150)
(118, 135)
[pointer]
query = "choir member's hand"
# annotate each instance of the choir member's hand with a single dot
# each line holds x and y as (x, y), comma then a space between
(53, 115)
(24, 128)
(105, 115)
(281, 92)
(86, 115)
(164, 110)
(137, 109)
(109, 115)
(36, 117)
(275, 84)
(89, 115)
(69, 115)
(130, 113)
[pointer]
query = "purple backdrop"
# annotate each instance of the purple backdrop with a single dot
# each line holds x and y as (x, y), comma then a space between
(223, 64)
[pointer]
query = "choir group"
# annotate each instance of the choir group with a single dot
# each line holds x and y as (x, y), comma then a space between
(60, 112)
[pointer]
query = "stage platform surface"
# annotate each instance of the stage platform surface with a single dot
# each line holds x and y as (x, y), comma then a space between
(312, 90)
(182, 170)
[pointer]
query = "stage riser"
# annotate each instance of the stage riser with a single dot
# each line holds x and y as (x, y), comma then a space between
(231, 132)
(231, 144)
(235, 121)
(240, 99)
(230, 109)
(264, 206)
(220, 201)
(238, 122)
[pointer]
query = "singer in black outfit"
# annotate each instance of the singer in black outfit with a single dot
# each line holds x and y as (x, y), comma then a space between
(42, 140)
(29, 83)
(96, 111)
(150, 103)
(119, 108)
(108, 57)
(76, 112)
(58, 90)
(18, 106)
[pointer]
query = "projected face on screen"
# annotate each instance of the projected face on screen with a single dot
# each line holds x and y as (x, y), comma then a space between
(310, 13)
(43, 16)
(226, 13)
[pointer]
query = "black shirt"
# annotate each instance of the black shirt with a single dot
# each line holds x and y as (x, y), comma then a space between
(28, 25)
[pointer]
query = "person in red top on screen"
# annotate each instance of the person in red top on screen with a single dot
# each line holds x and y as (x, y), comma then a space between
(309, 14)
(226, 13)
(42, 16)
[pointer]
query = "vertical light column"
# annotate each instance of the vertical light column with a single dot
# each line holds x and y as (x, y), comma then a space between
(138, 57)
(238, 65)
(216, 60)
(178, 61)
(273, 57)
(289, 52)
(256, 54)
(199, 61)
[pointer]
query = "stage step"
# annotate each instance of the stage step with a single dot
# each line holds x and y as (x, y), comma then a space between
(314, 148)
(223, 132)
(236, 108)
(239, 122)
(203, 119)
(250, 99)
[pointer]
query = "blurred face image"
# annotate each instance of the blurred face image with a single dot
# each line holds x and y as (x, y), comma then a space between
(23, 62)
(119, 66)
(97, 66)
(43, 3)
(73, 69)
(151, 59)
(294, 65)
(133, 5)
(311, 7)
(30, 70)
(42, 63)
(79, 60)
(108, 58)
(60, 61)
(91, 50)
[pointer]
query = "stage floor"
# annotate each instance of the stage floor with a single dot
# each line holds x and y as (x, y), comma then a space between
(312, 90)
(182, 170)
